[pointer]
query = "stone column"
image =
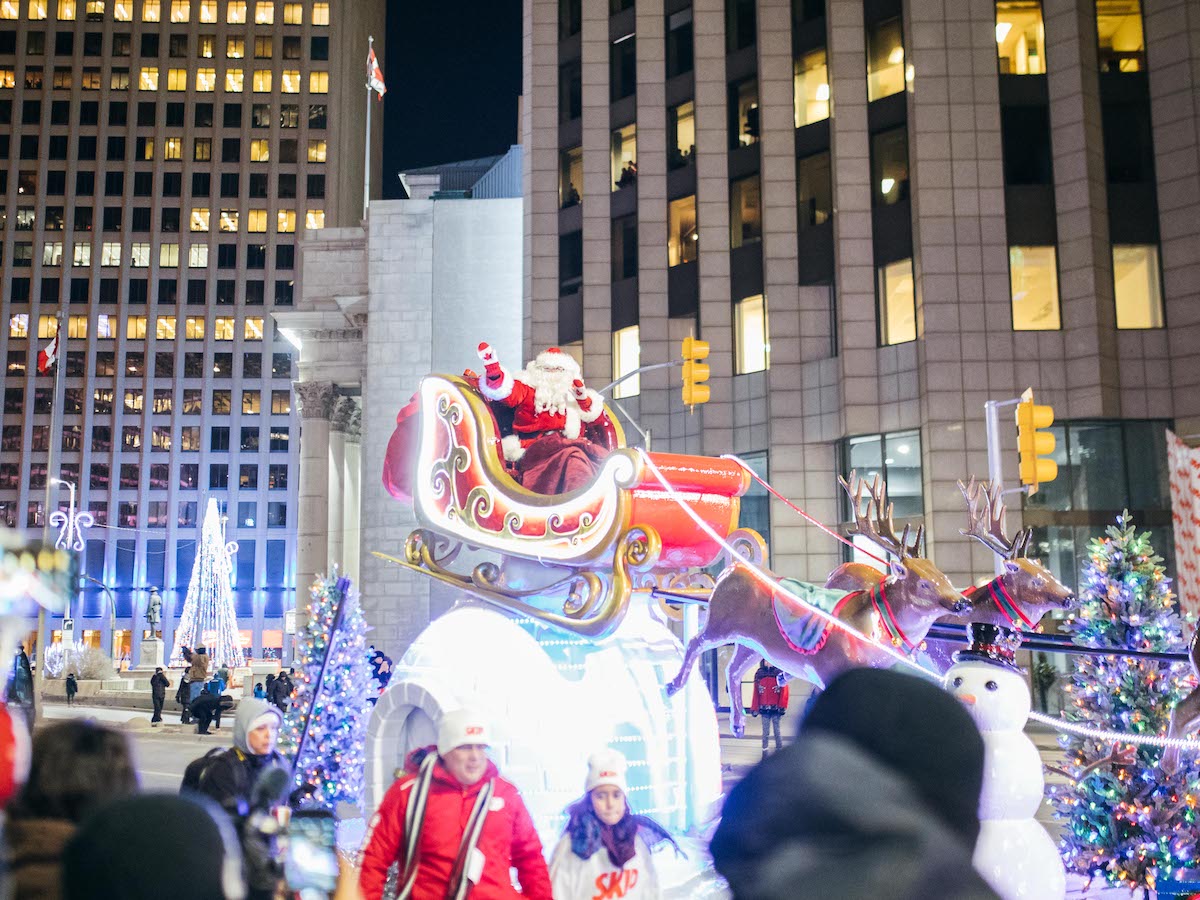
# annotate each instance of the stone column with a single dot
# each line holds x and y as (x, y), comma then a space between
(316, 400)
(339, 421)
(352, 486)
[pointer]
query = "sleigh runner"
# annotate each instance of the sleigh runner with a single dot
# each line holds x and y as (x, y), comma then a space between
(570, 560)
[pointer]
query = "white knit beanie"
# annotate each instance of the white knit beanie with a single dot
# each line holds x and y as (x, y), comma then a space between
(459, 727)
(606, 766)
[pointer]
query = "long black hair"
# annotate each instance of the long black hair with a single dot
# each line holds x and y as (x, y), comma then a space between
(588, 833)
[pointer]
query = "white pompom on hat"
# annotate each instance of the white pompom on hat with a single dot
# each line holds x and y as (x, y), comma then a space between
(606, 766)
(554, 357)
(460, 727)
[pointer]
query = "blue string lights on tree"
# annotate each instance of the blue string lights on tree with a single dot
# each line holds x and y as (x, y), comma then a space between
(1127, 821)
(209, 618)
(333, 693)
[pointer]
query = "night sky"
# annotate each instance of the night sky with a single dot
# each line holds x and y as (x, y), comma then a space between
(453, 73)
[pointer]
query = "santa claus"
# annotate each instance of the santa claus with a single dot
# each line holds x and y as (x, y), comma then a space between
(551, 406)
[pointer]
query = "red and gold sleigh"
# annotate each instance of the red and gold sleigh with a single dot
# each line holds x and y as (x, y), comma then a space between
(571, 560)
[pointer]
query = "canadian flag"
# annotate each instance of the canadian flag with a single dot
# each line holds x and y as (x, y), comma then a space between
(47, 356)
(375, 74)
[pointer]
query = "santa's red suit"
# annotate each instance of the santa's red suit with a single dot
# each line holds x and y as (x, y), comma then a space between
(551, 407)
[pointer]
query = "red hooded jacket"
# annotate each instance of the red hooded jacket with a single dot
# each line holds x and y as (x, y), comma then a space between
(769, 697)
(508, 839)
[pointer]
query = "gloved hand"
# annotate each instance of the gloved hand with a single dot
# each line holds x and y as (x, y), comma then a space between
(581, 395)
(491, 362)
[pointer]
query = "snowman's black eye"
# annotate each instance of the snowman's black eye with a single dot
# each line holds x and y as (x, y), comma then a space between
(958, 682)
(992, 686)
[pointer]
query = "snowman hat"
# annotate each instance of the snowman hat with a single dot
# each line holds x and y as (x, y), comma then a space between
(606, 766)
(991, 643)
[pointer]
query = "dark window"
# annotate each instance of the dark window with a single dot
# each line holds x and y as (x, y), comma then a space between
(112, 218)
(570, 92)
(231, 149)
(108, 290)
(115, 148)
(258, 185)
(814, 190)
(139, 291)
(50, 287)
(178, 45)
(201, 184)
(889, 166)
(31, 112)
(622, 69)
(193, 367)
(203, 115)
(225, 292)
(164, 365)
(226, 259)
(570, 18)
(218, 476)
(256, 256)
(283, 293)
(1025, 137)
(285, 256)
(679, 42)
(260, 115)
(83, 214)
(196, 294)
(222, 365)
(743, 113)
(230, 184)
(170, 220)
(624, 248)
(255, 293)
(60, 112)
(172, 184)
(279, 439)
(146, 113)
(175, 115)
(739, 25)
(89, 112)
(121, 44)
(118, 113)
(79, 290)
(231, 115)
(219, 438)
(252, 365)
(114, 184)
(167, 292)
(287, 183)
(317, 115)
(570, 262)
(316, 186)
(249, 441)
(1128, 143)
(93, 43)
(150, 44)
(56, 183)
(292, 47)
(64, 43)
(281, 365)
(143, 184)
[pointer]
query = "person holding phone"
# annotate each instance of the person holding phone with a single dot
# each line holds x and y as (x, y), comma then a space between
(469, 826)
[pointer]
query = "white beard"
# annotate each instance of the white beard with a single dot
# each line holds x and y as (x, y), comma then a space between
(552, 390)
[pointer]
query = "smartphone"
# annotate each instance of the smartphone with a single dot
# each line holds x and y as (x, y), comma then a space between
(310, 865)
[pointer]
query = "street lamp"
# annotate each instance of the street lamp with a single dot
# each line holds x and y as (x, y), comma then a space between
(112, 610)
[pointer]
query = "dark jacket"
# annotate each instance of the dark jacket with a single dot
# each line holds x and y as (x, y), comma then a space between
(280, 691)
(34, 848)
(159, 682)
(72, 686)
(798, 823)
(181, 692)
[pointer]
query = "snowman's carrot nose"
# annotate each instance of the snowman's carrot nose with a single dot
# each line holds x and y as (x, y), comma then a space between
(968, 699)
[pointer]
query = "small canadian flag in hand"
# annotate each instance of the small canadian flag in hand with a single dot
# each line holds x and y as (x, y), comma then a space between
(47, 356)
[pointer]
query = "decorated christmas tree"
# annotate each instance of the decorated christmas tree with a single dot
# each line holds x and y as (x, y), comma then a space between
(209, 619)
(333, 693)
(1126, 820)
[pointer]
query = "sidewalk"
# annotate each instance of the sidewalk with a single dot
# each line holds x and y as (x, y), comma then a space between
(138, 720)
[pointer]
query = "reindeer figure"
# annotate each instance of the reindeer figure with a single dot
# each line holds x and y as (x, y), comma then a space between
(1185, 717)
(1019, 596)
(747, 611)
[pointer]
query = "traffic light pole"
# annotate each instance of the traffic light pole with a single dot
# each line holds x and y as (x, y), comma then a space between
(991, 411)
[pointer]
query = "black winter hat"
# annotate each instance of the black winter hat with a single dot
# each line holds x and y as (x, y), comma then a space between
(917, 729)
(130, 850)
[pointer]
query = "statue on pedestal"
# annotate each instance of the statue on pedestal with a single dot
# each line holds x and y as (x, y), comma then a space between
(154, 612)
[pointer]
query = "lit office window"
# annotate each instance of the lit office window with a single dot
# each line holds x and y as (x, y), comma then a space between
(146, 146)
(753, 339)
(627, 357)
(52, 253)
(1122, 43)
(123, 10)
(228, 220)
(148, 78)
(811, 88)
(118, 80)
(150, 11)
(194, 329)
(251, 403)
(289, 81)
(8, 77)
(173, 148)
(624, 157)
(164, 328)
(199, 218)
(235, 12)
(293, 14)
(281, 403)
(682, 238)
(256, 221)
(234, 81)
(37, 9)
(82, 255)
(314, 219)
(320, 14)
(316, 151)
(9, 10)
(47, 327)
(77, 326)
(252, 328)
(897, 303)
(260, 150)
(139, 255)
(1033, 275)
(745, 211)
(110, 253)
(1020, 37)
(206, 80)
(318, 82)
(168, 256)
(889, 166)
(135, 328)
(181, 10)
(18, 325)
(66, 10)
(1137, 284)
(885, 59)
(208, 11)
(570, 177)
(264, 13)
(198, 256)
(105, 326)
(262, 81)
(94, 10)
(285, 222)
(681, 134)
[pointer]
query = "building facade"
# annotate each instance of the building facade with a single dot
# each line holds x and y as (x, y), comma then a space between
(160, 160)
(880, 214)
(412, 292)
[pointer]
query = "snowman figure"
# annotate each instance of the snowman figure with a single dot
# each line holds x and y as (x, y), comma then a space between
(1014, 853)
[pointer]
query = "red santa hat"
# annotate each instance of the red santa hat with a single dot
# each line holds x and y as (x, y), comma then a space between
(555, 358)
(606, 766)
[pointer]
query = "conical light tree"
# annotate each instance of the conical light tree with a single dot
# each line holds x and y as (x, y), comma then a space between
(209, 618)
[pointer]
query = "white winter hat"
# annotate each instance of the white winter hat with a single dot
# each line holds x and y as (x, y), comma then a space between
(606, 766)
(459, 727)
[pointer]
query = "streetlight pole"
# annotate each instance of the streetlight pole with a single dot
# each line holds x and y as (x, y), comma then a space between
(112, 610)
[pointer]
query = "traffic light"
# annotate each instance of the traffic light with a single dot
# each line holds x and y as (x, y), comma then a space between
(1034, 443)
(695, 372)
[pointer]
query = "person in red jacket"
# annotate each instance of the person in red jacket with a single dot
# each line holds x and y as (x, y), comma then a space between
(770, 701)
(469, 826)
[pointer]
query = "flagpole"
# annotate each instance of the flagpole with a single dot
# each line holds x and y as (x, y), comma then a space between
(367, 151)
(52, 474)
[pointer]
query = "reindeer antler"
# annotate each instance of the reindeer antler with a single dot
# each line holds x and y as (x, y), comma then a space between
(881, 531)
(994, 536)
